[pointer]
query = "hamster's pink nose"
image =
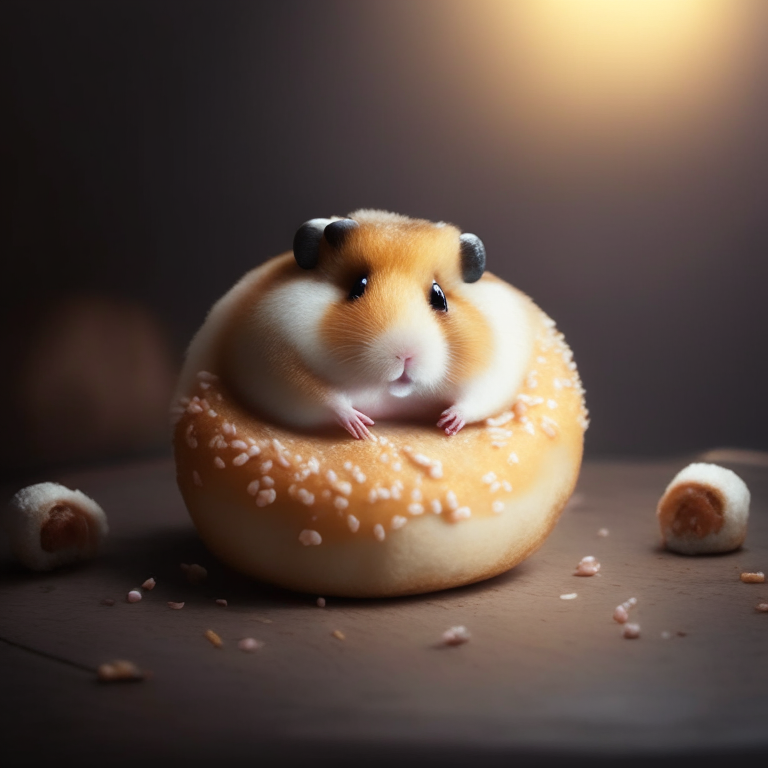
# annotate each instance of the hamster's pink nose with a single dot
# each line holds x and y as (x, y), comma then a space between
(406, 358)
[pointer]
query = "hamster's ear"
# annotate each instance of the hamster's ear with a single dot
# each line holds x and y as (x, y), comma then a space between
(336, 231)
(306, 242)
(472, 258)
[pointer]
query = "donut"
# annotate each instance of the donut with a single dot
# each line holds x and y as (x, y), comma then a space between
(406, 512)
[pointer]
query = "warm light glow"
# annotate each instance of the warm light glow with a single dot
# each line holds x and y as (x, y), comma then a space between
(625, 50)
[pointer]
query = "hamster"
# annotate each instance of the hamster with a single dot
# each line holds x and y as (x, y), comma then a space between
(373, 316)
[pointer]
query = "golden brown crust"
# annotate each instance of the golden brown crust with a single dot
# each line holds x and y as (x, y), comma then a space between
(412, 512)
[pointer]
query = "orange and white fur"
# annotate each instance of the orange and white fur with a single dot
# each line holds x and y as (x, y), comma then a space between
(350, 328)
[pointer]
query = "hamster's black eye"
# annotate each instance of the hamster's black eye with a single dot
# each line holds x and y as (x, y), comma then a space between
(437, 298)
(358, 289)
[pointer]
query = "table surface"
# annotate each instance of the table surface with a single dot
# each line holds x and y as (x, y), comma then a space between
(541, 678)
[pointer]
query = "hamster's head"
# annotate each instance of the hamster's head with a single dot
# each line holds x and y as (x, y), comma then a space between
(401, 318)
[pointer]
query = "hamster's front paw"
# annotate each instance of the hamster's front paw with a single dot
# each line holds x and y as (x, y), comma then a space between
(451, 420)
(355, 422)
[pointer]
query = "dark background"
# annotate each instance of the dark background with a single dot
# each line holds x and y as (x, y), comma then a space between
(153, 152)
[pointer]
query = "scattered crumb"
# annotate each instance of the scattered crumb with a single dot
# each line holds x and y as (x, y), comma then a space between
(588, 566)
(176, 606)
(120, 671)
(621, 612)
(321, 602)
(213, 638)
(631, 631)
(762, 607)
(195, 573)
(133, 596)
(456, 636)
(603, 533)
(569, 596)
(149, 584)
(250, 644)
(681, 634)
(753, 578)
(223, 603)
(108, 601)
(338, 634)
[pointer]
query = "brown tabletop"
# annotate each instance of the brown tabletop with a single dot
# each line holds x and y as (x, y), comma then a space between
(542, 678)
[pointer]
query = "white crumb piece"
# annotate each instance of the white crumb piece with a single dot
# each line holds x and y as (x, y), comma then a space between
(497, 507)
(421, 460)
(222, 602)
(757, 577)
(541, 359)
(631, 631)
(267, 482)
(345, 487)
(549, 426)
(372, 496)
(196, 479)
(436, 470)
(292, 490)
(704, 509)
(588, 566)
(49, 525)
(512, 458)
(305, 497)
(175, 606)
(395, 492)
(253, 450)
(359, 476)
(551, 404)
(348, 466)
(489, 478)
(212, 413)
(321, 602)
(313, 465)
(298, 458)
(416, 494)
(621, 614)
(195, 573)
(494, 486)
(379, 532)
(253, 487)
(383, 493)
(501, 420)
(436, 506)
(498, 444)
(133, 596)
(603, 533)
(340, 502)
(240, 459)
(353, 523)
(219, 462)
(398, 521)
(569, 596)
(451, 501)
(277, 445)
(207, 376)
(762, 607)
(228, 429)
(204, 385)
(506, 485)
(531, 380)
(415, 508)
(239, 445)
(462, 513)
(250, 644)
(530, 400)
(456, 636)
(396, 466)
(265, 497)
(528, 427)
(310, 538)
(282, 460)
(149, 584)
(384, 457)
(331, 476)
(265, 466)
(194, 408)
(191, 441)
(120, 671)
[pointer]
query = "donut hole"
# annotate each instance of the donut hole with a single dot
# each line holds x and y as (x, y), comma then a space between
(694, 511)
